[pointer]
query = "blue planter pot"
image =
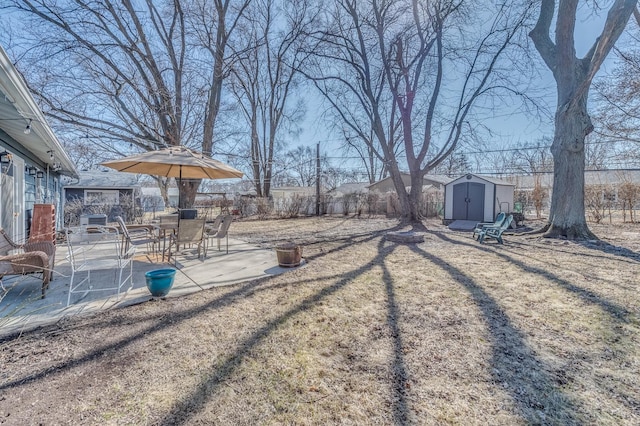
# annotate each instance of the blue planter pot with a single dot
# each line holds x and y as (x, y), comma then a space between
(160, 281)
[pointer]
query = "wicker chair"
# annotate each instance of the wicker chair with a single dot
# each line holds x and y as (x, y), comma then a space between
(36, 257)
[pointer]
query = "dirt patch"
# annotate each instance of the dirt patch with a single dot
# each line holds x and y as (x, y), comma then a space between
(370, 331)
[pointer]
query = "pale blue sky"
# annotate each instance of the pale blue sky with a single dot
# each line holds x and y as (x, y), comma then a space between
(511, 125)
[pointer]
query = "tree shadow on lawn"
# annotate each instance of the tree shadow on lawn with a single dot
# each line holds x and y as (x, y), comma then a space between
(577, 268)
(617, 313)
(188, 407)
(614, 310)
(609, 248)
(627, 255)
(515, 365)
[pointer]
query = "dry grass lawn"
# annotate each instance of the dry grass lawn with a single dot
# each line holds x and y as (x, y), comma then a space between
(369, 332)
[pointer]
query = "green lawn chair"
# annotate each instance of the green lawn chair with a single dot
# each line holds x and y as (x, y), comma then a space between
(491, 232)
(482, 225)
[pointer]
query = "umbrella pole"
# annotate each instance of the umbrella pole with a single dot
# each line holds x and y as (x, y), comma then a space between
(180, 188)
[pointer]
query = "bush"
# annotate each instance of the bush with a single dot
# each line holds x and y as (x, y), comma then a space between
(291, 207)
(371, 201)
(263, 208)
(597, 200)
(72, 211)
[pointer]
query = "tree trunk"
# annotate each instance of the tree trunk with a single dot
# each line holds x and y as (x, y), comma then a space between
(188, 190)
(415, 195)
(255, 153)
(398, 183)
(567, 213)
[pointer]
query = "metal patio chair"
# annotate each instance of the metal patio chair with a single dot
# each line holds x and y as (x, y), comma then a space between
(98, 248)
(137, 235)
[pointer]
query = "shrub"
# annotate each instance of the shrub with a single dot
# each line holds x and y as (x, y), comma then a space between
(291, 207)
(263, 208)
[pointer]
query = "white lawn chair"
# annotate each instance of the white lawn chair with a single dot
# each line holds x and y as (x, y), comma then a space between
(98, 248)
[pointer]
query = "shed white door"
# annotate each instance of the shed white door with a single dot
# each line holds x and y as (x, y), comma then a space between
(468, 201)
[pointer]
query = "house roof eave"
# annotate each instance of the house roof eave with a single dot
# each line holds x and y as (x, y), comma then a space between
(19, 105)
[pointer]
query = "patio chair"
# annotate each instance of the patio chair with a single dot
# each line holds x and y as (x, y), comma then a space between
(136, 235)
(495, 233)
(169, 219)
(98, 248)
(223, 232)
(212, 228)
(190, 231)
(33, 258)
(496, 224)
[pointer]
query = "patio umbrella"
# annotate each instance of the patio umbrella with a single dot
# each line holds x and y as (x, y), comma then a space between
(177, 162)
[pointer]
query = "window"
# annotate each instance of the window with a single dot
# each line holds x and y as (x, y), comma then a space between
(94, 197)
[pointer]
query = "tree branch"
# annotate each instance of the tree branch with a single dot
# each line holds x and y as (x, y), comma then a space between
(540, 34)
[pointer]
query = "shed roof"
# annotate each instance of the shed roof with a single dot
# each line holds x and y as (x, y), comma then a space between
(489, 179)
(440, 179)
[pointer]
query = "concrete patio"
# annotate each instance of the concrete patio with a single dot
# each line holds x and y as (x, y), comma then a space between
(21, 307)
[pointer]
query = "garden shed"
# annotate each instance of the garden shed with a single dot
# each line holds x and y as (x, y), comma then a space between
(477, 198)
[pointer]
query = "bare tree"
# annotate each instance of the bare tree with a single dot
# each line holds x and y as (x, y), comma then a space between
(533, 158)
(454, 165)
(265, 79)
(213, 22)
(616, 134)
(112, 74)
(127, 74)
(367, 149)
(300, 164)
(573, 78)
(381, 65)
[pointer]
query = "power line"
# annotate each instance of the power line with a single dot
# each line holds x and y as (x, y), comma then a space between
(488, 151)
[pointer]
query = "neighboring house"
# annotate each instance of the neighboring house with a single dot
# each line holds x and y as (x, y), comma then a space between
(612, 180)
(97, 189)
(591, 177)
(151, 199)
(174, 196)
(432, 194)
(477, 198)
(386, 185)
(350, 189)
(32, 159)
(285, 195)
(345, 197)
(290, 191)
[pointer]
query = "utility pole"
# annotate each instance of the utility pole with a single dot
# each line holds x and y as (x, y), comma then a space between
(318, 179)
